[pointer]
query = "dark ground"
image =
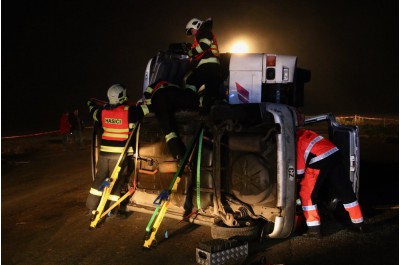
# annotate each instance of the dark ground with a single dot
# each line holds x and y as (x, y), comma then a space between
(43, 218)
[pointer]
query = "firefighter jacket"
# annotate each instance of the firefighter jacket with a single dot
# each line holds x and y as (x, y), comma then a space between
(311, 148)
(205, 47)
(117, 122)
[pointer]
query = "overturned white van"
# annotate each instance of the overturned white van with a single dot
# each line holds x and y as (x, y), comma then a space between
(242, 181)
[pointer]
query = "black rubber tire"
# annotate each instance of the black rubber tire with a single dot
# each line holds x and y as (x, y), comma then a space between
(244, 232)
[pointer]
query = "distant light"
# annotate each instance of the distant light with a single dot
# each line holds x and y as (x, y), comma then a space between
(240, 47)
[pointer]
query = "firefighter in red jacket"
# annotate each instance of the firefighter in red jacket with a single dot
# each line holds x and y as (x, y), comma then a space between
(164, 99)
(205, 62)
(318, 160)
(117, 120)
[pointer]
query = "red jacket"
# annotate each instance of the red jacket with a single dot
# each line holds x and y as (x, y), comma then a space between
(309, 142)
(115, 123)
(65, 127)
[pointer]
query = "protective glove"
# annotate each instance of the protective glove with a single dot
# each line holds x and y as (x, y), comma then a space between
(139, 102)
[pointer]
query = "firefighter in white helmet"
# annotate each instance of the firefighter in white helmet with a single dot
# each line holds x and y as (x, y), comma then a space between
(195, 24)
(205, 67)
(117, 120)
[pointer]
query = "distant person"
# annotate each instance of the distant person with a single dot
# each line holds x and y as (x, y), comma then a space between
(205, 76)
(76, 127)
(65, 128)
(117, 120)
(319, 160)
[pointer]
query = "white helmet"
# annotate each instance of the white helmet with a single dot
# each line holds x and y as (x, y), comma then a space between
(116, 94)
(194, 23)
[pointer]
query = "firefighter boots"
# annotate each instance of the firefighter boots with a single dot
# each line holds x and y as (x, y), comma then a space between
(358, 228)
(313, 232)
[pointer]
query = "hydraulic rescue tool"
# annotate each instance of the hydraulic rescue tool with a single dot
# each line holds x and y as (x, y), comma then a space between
(97, 214)
(126, 195)
(166, 196)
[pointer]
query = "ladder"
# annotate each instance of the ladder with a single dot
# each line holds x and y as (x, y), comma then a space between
(166, 196)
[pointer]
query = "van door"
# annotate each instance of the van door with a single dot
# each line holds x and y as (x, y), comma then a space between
(346, 138)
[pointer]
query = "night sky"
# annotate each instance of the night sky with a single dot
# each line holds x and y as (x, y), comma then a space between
(57, 54)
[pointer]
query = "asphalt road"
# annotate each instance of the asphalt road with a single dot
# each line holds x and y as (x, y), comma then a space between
(43, 218)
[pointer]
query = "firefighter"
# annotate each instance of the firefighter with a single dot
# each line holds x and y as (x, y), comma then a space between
(204, 76)
(116, 120)
(164, 99)
(319, 160)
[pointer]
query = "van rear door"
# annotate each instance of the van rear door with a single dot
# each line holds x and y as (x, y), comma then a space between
(346, 138)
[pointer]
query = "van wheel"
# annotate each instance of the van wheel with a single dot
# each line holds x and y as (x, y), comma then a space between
(247, 231)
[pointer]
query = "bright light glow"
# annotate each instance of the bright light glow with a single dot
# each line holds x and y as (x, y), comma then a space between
(240, 47)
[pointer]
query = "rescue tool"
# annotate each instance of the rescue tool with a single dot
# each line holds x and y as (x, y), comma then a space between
(126, 195)
(165, 196)
(97, 214)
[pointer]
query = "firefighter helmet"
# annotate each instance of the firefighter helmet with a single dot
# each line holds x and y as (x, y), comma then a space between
(116, 94)
(194, 23)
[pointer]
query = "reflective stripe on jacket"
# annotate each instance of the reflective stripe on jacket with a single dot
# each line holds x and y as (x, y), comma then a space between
(151, 90)
(116, 129)
(310, 142)
(115, 123)
(208, 55)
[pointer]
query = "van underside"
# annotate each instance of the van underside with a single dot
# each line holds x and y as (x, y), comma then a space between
(240, 174)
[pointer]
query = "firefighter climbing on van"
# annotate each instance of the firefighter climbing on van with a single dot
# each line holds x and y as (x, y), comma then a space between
(205, 68)
(319, 160)
(117, 120)
(164, 99)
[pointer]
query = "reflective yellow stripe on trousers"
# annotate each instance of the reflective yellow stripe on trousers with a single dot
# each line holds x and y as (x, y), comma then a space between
(95, 192)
